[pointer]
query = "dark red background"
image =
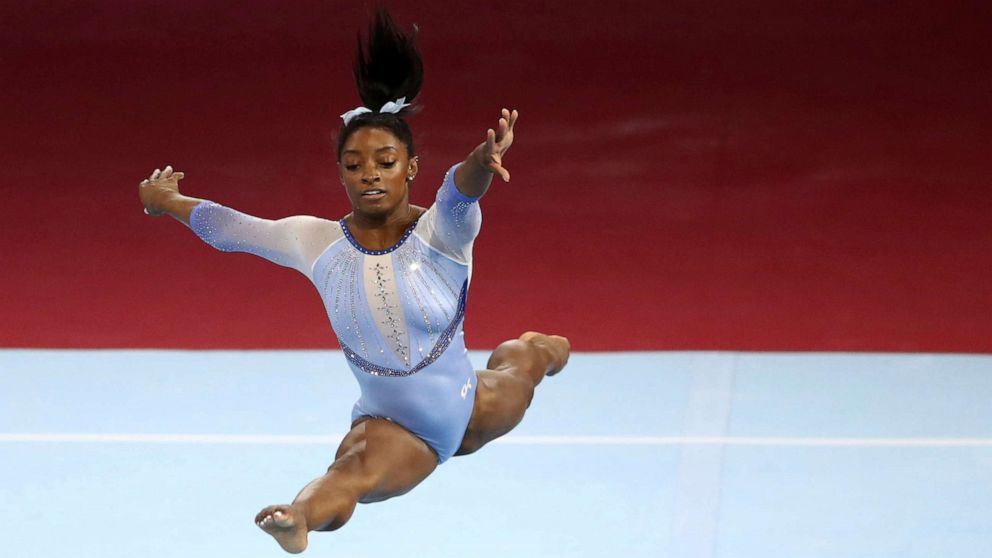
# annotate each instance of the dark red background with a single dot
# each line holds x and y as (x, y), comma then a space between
(687, 175)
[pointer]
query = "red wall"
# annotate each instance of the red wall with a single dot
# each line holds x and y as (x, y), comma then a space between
(687, 175)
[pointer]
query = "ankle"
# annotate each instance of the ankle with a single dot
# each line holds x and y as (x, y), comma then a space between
(301, 511)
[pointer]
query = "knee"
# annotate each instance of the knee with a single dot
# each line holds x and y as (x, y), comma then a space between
(525, 393)
(509, 353)
(512, 401)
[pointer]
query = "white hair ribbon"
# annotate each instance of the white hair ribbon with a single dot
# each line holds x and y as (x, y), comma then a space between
(395, 106)
(353, 113)
(392, 106)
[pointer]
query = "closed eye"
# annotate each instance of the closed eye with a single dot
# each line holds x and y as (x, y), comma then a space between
(351, 168)
(388, 164)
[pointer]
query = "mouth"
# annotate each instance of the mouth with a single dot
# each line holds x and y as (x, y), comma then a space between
(374, 193)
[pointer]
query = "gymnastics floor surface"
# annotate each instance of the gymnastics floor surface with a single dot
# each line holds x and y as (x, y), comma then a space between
(130, 453)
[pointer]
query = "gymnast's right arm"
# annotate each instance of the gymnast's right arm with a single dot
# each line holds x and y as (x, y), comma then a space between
(291, 242)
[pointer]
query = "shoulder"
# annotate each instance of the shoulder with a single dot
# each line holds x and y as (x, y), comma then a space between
(308, 228)
(309, 221)
(418, 211)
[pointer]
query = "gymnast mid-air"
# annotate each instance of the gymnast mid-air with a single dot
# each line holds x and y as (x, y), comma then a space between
(393, 278)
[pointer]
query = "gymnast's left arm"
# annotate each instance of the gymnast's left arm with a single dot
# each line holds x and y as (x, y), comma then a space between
(474, 175)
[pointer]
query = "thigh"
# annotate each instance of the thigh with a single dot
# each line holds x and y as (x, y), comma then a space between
(388, 459)
(501, 398)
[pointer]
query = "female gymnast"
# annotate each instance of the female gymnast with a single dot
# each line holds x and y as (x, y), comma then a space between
(393, 278)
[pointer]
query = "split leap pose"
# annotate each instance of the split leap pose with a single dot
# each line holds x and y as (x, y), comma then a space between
(393, 278)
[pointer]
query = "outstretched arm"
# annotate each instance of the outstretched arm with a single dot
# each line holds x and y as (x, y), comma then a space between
(476, 173)
(292, 242)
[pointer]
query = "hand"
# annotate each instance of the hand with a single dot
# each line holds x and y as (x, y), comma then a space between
(489, 155)
(159, 185)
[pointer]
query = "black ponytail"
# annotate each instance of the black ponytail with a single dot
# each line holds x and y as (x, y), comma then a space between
(388, 67)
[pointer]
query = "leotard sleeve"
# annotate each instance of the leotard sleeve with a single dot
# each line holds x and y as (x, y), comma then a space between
(294, 242)
(452, 223)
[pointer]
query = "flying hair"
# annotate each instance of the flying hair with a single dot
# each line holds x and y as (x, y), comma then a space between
(388, 66)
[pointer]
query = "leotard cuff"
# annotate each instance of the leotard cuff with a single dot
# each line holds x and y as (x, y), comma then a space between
(456, 194)
(195, 215)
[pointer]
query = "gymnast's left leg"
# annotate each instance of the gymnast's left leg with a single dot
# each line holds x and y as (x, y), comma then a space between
(505, 390)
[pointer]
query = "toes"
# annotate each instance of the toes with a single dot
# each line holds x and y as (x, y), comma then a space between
(263, 515)
(274, 517)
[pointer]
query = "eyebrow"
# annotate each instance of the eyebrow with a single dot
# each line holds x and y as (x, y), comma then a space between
(357, 152)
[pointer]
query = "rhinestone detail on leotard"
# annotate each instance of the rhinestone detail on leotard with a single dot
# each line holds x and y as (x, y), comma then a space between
(394, 330)
(442, 344)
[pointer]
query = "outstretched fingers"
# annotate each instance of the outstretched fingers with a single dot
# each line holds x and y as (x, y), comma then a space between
(164, 174)
(510, 117)
(491, 141)
(498, 141)
(502, 130)
(495, 155)
(504, 135)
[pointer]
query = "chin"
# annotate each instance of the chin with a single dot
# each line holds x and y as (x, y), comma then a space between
(373, 208)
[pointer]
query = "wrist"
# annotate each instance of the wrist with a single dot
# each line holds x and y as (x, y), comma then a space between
(480, 159)
(163, 201)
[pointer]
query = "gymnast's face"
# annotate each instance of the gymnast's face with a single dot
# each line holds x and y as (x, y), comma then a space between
(376, 169)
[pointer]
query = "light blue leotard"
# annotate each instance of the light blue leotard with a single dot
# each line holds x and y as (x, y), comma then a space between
(398, 313)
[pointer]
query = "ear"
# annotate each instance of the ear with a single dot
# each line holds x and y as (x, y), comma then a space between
(412, 169)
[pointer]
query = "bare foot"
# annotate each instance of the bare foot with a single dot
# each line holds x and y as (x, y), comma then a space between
(287, 525)
(556, 345)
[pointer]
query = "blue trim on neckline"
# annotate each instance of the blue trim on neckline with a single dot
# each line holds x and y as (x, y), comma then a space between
(364, 250)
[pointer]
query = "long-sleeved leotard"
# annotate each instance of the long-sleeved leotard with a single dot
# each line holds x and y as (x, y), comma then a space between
(398, 313)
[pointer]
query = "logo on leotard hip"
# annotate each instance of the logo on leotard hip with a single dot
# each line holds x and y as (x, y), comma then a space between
(466, 387)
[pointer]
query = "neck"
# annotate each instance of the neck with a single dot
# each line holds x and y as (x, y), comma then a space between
(401, 216)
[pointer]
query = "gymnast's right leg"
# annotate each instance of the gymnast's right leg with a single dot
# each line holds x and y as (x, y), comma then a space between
(376, 461)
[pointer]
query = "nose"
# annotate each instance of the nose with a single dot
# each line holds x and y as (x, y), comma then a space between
(370, 175)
